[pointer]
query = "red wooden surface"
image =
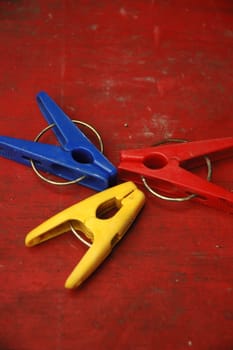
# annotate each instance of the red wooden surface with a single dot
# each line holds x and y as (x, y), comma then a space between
(164, 68)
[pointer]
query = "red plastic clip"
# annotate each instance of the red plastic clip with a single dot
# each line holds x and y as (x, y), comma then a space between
(167, 168)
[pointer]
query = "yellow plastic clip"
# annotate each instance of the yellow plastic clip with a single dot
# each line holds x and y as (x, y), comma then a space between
(89, 217)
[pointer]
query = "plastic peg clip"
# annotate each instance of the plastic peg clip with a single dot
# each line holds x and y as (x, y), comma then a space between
(75, 158)
(89, 216)
(167, 168)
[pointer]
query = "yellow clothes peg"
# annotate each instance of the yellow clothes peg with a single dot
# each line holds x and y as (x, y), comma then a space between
(89, 217)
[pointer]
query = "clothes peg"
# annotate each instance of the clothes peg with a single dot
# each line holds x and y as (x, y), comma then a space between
(164, 168)
(75, 158)
(88, 216)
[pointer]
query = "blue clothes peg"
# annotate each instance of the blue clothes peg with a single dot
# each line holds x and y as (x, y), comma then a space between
(75, 157)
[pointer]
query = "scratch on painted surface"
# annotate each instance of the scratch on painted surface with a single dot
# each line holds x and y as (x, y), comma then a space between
(125, 13)
(146, 79)
(94, 27)
(163, 124)
(147, 132)
(156, 33)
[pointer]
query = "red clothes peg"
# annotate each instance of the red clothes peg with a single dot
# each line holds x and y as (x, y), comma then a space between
(167, 168)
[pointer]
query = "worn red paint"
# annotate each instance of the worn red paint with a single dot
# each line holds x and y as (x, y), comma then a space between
(163, 68)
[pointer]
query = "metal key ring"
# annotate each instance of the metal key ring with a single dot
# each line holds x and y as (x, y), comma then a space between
(177, 199)
(79, 236)
(64, 183)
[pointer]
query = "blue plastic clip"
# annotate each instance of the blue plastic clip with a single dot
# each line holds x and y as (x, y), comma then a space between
(76, 157)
